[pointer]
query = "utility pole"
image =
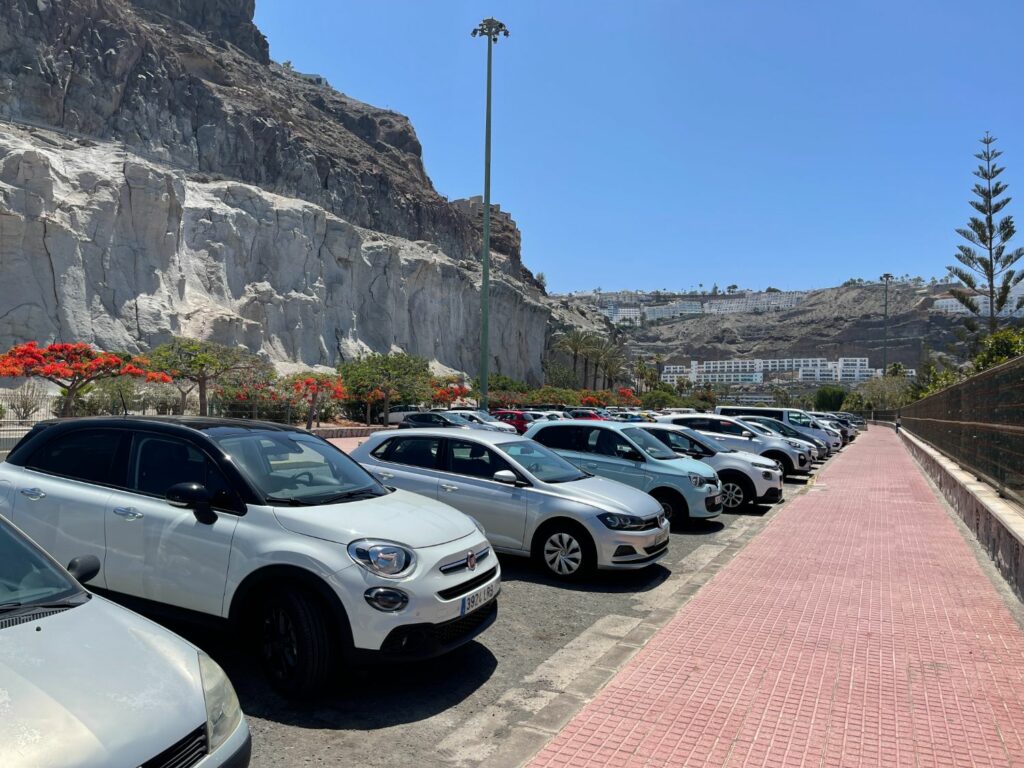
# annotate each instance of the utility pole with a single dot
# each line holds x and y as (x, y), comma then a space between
(886, 278)
(491, 29)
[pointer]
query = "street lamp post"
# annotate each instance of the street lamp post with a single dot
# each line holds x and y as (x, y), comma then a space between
(886, 278)
(492, 29)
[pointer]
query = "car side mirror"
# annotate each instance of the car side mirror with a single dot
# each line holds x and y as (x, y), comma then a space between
(631, 455)
(506, 476)
(84, 568)
(746, 433)
(193, 496)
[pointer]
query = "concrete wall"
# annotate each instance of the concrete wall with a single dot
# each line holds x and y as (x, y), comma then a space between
(997, 523)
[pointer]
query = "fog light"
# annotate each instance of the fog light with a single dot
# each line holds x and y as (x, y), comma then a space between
(623, 550)
(386, 599)
(766, 475)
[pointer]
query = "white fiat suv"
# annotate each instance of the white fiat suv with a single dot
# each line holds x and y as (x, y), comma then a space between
(269, 528)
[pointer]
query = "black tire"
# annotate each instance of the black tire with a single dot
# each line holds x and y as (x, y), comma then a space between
(672, 503)
(737, 490)
(565, 550)
(784, 460)
(296, 646)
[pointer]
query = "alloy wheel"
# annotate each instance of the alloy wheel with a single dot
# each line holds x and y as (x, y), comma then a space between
(732, 495)
(563, 554)
(280, 643)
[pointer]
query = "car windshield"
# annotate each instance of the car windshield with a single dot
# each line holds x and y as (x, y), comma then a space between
(782, 429)
(295, 469)
(543, 463)
(27, 578)
(454, 418)
(759, 428)
(482, 415)
(651, 445)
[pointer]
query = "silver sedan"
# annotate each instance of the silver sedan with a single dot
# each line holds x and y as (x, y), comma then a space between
(528, 499)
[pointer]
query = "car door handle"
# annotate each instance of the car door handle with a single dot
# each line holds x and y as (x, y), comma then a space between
(386, 475)
(128, 513)
(33, 493)
(591, 465)
(449, 487)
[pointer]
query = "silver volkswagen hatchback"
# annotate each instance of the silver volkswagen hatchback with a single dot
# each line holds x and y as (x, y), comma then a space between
(529, 499)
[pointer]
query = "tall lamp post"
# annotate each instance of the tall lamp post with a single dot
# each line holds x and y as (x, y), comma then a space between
(886, 278)
(492, 29)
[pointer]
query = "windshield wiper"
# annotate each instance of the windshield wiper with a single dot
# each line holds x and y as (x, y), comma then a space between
(62, 603)
(359, 493)
(289, 502)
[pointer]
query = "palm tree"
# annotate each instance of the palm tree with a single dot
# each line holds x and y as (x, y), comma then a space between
(575, 343)
(612, 364)
(588, 351)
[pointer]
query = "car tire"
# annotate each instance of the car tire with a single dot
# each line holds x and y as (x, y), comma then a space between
(737, 491)
(565, 550)
(784, 460)
(295, 642)
(672, 503)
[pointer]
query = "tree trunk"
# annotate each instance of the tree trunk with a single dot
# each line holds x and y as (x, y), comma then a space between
(368, 405)
(202, 396)
(183, 402)
(586, 370)
(67, 408)
(312, 410)
(575, 373)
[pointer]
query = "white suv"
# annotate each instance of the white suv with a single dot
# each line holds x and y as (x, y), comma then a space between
(268, 527)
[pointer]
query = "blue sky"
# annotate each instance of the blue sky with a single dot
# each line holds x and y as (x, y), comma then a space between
(661, 144)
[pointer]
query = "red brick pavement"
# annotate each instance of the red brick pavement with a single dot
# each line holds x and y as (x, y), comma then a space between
(857, 629)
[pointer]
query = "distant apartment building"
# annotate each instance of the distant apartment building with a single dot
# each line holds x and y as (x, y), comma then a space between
(619, 306)
(845, 370)
(950, 306)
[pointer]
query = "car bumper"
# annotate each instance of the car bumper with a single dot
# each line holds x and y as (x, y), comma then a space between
(771, 496)
(766, 487)
(436, 599)
(233, 753)
(629, 550)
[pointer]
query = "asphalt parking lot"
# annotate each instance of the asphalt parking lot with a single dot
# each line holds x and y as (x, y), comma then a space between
(552, 647)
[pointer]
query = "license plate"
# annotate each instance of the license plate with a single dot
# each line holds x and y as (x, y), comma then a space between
(661, 539)
(718, 500)
(474, 600)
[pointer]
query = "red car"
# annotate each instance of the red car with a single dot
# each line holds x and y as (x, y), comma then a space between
(585, 413)
(521, 420)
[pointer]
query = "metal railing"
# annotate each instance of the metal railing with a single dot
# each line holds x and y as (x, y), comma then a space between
(979, 423)
(20, 410)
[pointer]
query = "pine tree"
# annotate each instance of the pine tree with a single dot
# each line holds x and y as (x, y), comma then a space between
(987, 264)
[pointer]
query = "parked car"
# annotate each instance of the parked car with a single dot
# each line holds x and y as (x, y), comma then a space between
(584, 413)
(268, 530)
(824, 448)
(397, 413)
(482, 417)
(746, 478)
(841, 425)
(857, 421)
(794, 417)
(444, 420)
(520, 420)
(529, 500)
(624, 452)
(789, 454)
(86, 682)
(761, 429)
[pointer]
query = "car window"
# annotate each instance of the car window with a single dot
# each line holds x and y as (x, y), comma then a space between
(800, 419)
(474, 460)
(159, 462)
(414, 451)
(726, 427)
(86, 455)
(677, 441)
(543, 463)
(560, 438)
(26, 576)
(691, 423)
(648, 444)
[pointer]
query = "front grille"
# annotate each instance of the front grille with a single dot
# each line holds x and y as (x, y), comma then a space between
(467, 586)
(711, 503)
(424, 640)
(453, 631)
(656, 548)
(651, 523)
(187, 752)
(463, 564)
(24, 618)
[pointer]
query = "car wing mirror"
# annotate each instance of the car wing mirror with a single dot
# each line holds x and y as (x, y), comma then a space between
(194, 496)
(506, 476)
(746, 433)
(84, 568)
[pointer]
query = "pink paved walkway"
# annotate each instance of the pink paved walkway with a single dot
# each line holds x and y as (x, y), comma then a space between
(857, 629)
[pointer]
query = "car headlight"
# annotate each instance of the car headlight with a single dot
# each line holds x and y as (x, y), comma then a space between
(793, 444)
(697, 481)
(223, 712)
(383, 558)
(621, 522)
(766, 466)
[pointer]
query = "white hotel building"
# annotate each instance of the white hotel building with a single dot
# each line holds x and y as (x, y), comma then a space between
(845, 370)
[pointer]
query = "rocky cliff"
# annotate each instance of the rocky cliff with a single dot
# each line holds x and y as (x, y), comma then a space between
(104, 246)
(192, 186)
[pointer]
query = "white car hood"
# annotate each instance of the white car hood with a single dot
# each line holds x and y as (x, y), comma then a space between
(407, 518)
(94, 686)
(608, 495)
(751, 457)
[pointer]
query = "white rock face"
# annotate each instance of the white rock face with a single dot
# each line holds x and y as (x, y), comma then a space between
(103, 246)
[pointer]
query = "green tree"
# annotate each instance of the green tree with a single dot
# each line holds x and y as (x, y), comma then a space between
(999, 347)
(200, 362)
(898, 370)
(829, 398)
(559, 376)
(986, 264)
(398, 377)
(659, 398)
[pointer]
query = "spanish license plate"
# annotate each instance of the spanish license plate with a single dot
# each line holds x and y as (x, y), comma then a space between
(661, 539)
(474, 600)
(717, 500)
